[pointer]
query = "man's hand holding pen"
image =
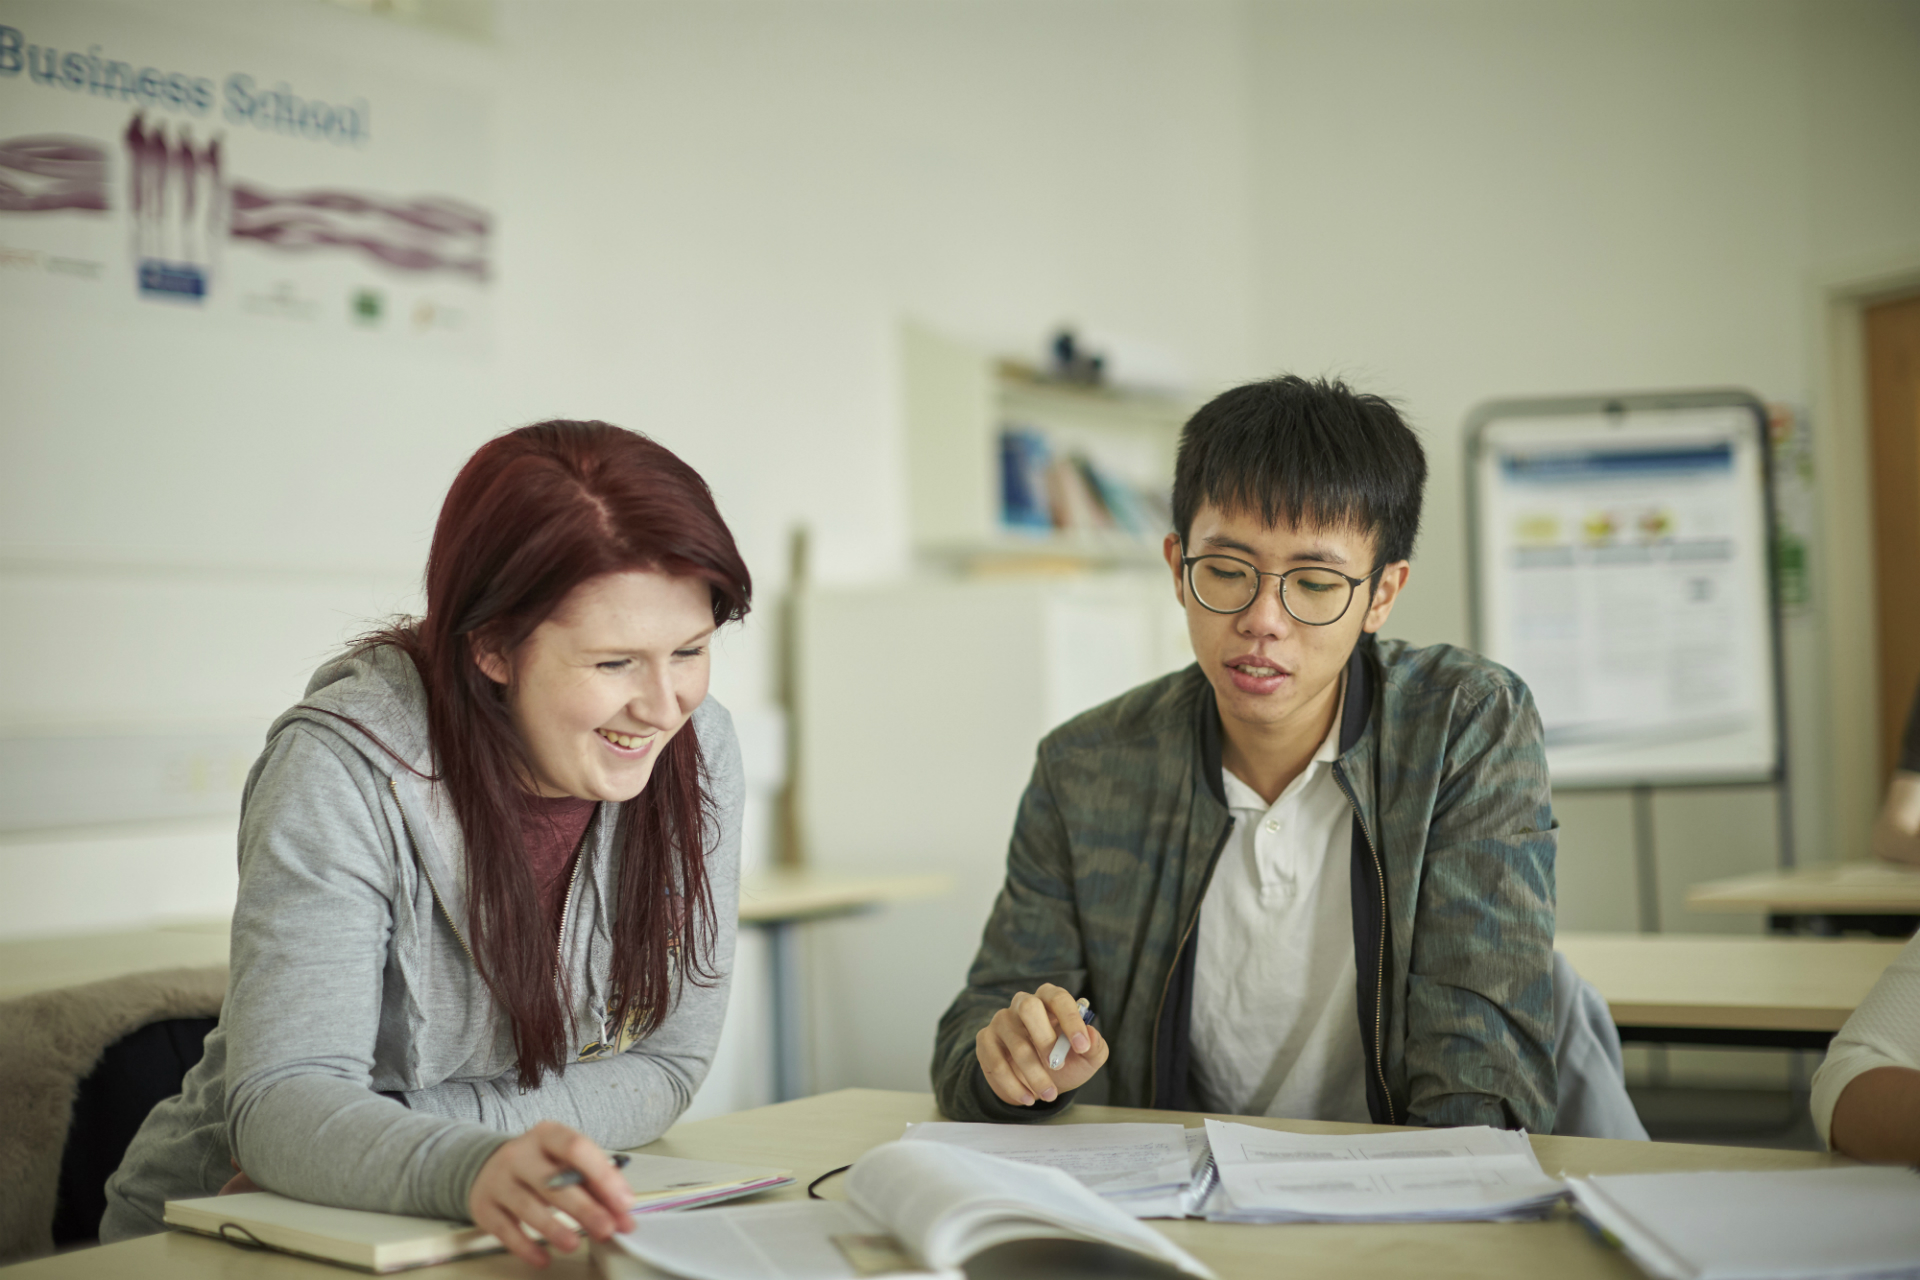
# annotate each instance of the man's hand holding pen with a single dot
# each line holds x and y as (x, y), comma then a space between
(1018, 1049)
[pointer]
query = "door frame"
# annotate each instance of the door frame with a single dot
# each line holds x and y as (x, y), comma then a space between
(1842, 491)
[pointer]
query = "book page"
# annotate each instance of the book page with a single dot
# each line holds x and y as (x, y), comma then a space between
(1251, 1144)
(947, 1203)
(1273, 1175)
(1108, 1158)
(789, 1240)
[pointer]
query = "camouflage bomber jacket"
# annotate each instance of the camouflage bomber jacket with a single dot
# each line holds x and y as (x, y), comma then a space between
(1441, 756)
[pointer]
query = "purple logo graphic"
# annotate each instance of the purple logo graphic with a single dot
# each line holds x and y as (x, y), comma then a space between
(178, 196)
(426, 233)
(50, 171)
(185, 206)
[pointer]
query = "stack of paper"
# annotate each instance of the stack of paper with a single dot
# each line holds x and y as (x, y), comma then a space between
(1142, 1169)
(1799, 1225)
(1436, 1175)
(668, 1182)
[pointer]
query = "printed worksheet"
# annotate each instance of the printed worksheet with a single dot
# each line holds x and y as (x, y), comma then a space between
(1269, 1175)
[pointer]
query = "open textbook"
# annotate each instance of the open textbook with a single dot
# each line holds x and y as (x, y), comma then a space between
(1434, 1175)
(1144, 1169)
(393, 1242)
(1803, 1224)
(924, 1207)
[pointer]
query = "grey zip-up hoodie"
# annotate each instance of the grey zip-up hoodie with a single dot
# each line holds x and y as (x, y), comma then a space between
(360, 1061)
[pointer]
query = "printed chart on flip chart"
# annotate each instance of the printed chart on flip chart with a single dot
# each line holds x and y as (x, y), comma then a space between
(1621, 569)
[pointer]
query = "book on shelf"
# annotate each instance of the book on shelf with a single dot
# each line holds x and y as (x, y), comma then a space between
(912, 1208)
(381, 1242)
(1046, 489)
(1076, 507)
(1024, 462)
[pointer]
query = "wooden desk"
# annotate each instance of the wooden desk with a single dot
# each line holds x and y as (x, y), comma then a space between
(44, 964)
(41, 964)
(778, 902)
(789, 897)
(1789, 993)
(1815, 895)
(816, 1134)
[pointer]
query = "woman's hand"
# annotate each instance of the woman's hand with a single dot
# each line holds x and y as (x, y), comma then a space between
(1014, 1047)
(511, 1189)
(239, 1184)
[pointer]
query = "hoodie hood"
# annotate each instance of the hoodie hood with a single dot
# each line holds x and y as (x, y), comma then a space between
(373, 698)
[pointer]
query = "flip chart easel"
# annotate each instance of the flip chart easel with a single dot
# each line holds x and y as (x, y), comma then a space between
(1621, 566)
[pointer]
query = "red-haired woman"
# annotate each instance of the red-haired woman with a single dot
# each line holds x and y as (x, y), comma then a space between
(488, 870)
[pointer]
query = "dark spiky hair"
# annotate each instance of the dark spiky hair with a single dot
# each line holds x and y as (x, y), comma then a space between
(1301, 452)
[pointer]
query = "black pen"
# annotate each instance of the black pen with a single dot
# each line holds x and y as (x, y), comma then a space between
(573, 1177)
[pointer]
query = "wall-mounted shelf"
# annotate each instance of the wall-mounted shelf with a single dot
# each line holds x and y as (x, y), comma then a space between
(959, 402)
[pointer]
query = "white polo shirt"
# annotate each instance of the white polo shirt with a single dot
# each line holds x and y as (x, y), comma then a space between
(1276, 1027)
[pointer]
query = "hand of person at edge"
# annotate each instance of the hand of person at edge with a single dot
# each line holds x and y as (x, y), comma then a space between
(1013, 1049)
(511, 1190)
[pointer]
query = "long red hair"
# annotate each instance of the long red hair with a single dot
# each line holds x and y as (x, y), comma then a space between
(532, 515)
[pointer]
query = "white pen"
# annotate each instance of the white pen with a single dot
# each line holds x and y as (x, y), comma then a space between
(1058, 1058)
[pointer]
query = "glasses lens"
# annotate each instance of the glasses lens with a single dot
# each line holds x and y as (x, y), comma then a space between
(1317, 596)
(1224, 584)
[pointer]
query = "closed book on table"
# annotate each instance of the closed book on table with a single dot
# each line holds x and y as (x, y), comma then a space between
(352, 1237)
(380, 1242)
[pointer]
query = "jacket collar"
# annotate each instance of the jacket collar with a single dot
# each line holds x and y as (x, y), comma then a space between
(1359, 704)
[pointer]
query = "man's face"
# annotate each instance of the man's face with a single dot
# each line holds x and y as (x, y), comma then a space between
(1266, 667)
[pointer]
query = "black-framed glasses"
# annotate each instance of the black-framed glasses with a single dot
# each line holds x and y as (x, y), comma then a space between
(1312, 595)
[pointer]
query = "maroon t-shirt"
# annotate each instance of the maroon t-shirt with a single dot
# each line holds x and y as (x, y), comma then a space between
(551, 830)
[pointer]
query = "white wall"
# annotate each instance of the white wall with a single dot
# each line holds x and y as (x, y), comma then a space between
(713, 214)
(712, 219)
(1462, 201)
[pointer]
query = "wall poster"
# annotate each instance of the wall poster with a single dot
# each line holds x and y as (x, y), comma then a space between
(149, 163)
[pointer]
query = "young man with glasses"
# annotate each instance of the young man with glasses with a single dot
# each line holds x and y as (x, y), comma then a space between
(1310, 875)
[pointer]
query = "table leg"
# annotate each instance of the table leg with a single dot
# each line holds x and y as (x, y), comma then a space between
(789, 1011)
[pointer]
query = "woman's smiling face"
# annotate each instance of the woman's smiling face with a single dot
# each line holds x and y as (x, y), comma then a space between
(600, 688)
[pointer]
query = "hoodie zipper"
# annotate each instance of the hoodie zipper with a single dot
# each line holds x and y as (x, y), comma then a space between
(441, 902)
(566, 912)
(1380, 964)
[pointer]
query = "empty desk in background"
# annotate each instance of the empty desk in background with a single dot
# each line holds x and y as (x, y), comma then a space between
(779, 902)
(1822, 899)
(45, 964)
(820, 1133)
(1782, 993)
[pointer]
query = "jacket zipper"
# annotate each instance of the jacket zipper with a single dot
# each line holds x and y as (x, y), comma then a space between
(439, 901)
(1380, 965)
(1153, 1055)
